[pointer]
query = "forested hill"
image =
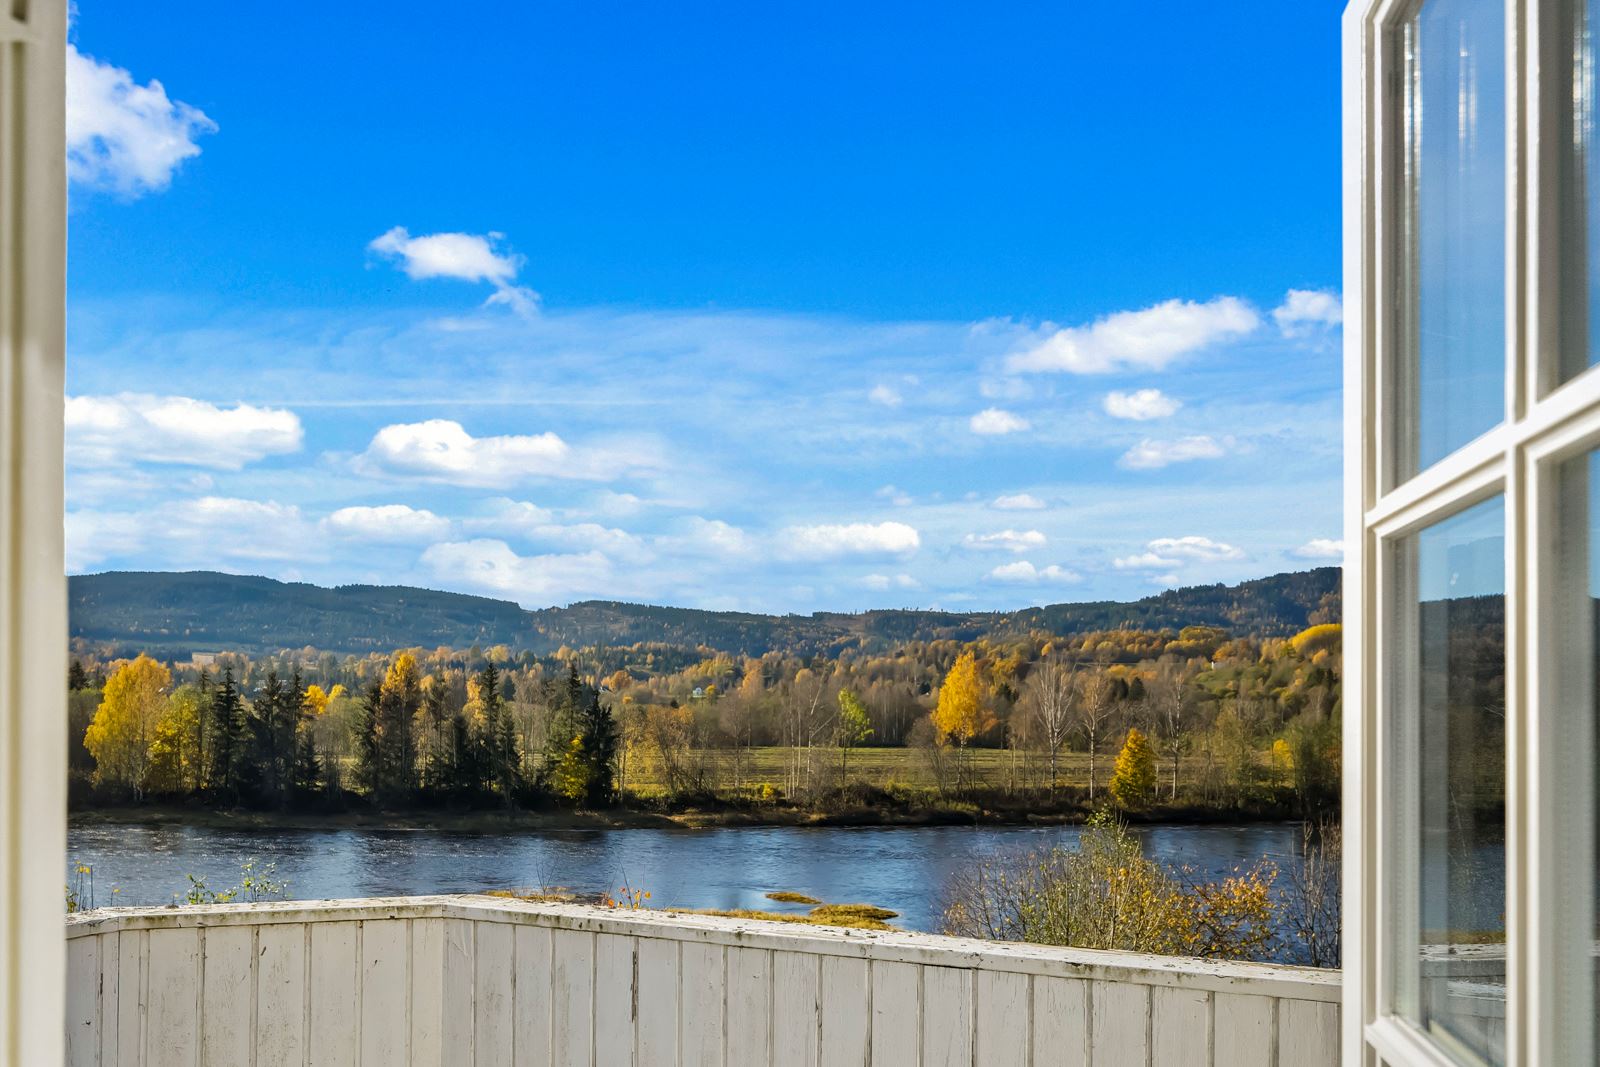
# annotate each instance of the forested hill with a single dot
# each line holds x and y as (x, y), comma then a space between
(177, 613)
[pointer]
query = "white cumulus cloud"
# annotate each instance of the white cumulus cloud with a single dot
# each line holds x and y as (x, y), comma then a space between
(398, 523)
(122, 136)
(1199, 549)
(1024, 573)
(887, 395)
(1141, 405)
(1320, 548)
(1151, 454)
(1138, 340)
(1304, 310)
(1004, 541)
(1017, 502)
(996, 421)
(442, 450)
(468, 257)
(110, 431)
(827, 541)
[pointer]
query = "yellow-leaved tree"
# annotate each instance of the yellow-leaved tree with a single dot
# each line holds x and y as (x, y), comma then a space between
(1133, 777)
(960, 714)
(120, 735)
(317, 701)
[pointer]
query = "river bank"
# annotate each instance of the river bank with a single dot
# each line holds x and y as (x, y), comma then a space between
(656, 816)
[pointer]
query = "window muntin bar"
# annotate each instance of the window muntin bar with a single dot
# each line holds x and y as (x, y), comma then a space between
(1574, 703)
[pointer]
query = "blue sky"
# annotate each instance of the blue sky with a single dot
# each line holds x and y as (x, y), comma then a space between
(761, 307)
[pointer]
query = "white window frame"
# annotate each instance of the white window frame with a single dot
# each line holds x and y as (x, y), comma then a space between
(1544, 425)
(33, 600)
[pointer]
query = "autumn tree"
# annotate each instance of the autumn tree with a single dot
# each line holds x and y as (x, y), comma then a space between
(1133, 777)
(960, 714)
(123, 727)
(1094, 705)
(388, 744)
(1168, 693)
(175, 748)
(1047, 698)
(852, 728)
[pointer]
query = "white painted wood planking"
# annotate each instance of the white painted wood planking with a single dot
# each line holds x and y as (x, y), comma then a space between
(281, 995)
(427, 992)
(796, 1010)
(495, 986)
(896, 1012)
(1180, 1024)
(619, 996)
(947, 1016)
(571, 989)
(749, 1006)
(227, 997)
(700, 1005)
(385, 966)
(493, 994)
(335, 995)
(172, 1027)
(846, 1000)
(1243, 1029)
(83, 1003)
(1119, 1023)
(531, 1010)
(1002, 1019)
(1308, 1034)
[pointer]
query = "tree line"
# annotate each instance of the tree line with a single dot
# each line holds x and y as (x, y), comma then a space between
(401, 740)
(1212, 719)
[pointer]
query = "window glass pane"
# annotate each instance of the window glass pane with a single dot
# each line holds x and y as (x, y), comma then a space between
(1451, 336)
(1580, 198)
(1575, 637)
(1448, 711)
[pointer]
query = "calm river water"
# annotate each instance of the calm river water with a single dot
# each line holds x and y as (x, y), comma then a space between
(903, 868)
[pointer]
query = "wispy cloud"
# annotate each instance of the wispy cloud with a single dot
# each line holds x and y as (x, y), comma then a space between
(1017, 502)
(993, 422)
(1146, 340)
(490, 566)
(1004, 541)
(1151, 454)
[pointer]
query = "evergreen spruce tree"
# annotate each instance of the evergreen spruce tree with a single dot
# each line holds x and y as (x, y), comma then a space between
(499, 737)
(227, 742)
(369, 771)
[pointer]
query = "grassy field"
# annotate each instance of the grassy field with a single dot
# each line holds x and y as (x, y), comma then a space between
(887, 767)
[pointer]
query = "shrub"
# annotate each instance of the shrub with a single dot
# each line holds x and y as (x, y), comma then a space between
(1105, 894)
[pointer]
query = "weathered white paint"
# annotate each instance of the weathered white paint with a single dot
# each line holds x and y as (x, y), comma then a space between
(486, 980)
(33, 587)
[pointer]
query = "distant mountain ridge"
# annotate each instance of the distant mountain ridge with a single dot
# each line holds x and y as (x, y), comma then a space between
(175, 613)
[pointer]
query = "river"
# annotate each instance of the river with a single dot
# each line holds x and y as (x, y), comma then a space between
(901, 868)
